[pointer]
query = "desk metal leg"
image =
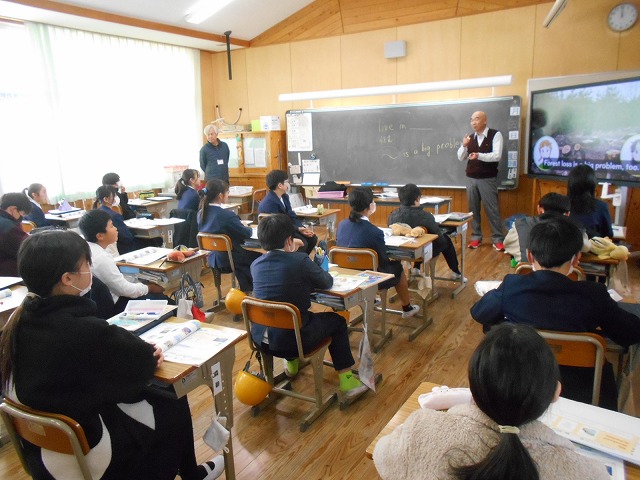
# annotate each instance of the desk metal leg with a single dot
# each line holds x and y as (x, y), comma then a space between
(224, 402)
(462, 232)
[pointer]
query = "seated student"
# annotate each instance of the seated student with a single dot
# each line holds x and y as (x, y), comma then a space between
(186, 190)
(106, 197)
(358, 232)
(285, 275)
(13, 206)
(277, 201)
(549, 300)
(37, 194)
(99, 231)
(414, 215)
(517, 239)
(57, 356)
(498, 436)
(590, 211)
(212, 218)
(113, 180)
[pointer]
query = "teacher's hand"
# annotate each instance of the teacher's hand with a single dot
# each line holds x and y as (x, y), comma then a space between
(306, 232)
(466, 140)
(473, 156)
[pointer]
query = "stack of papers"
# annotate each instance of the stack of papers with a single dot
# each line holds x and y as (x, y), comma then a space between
(144, 256)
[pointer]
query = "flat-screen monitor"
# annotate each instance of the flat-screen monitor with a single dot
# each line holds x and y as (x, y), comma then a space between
(595, 123)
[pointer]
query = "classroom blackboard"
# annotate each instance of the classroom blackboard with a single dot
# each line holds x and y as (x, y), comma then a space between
(398, 144)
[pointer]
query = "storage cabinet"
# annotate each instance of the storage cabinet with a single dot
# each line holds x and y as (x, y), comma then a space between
(254, 154)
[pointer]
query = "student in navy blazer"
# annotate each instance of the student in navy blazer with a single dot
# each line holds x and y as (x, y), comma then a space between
(37, 193)
(277, 201)
(106, 198)
(549, 300)
(284, 274)
(186, 190)
(212, 218)
(358, 232)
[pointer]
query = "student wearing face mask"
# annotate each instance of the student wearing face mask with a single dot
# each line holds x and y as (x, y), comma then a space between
(113, 180)
(13, 207)
(547, 299)
(358, 232)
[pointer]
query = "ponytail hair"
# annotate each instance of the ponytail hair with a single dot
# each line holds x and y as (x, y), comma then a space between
(104, 191)
(513, 376)
(33, 188)
(213, 188)
(359, 200)
(183, 183)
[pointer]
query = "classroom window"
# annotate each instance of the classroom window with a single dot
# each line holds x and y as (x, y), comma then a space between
(75, 105)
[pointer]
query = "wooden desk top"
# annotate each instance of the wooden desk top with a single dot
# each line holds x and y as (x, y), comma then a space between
(456, 223)
(327, 212)
(419, 242)
(411, 405)
(171, 372)
(240, 195)
(163, 265)
(591, 258)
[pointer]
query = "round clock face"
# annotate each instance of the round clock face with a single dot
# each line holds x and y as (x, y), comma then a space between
(622, 17)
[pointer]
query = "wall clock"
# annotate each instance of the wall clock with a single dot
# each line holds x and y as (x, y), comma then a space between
(622, 17)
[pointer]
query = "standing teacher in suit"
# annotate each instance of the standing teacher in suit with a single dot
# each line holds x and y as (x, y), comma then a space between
(214, 156)
(483, 150)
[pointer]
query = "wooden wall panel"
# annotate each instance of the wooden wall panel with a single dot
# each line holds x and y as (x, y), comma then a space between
(230, 95)
(576, 43)
(629, 50)
(208, 95)
(268, 75)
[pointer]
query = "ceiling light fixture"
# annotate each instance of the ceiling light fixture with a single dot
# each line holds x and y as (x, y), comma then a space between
(205, 9)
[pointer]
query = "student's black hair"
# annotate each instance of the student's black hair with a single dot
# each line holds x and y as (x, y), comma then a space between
(513, 376)
(554, 202)
(15, 199)
(554, 241)
(359, 200)
(43, 258)
(33, 189)
(409, 194)
(104, 191)
(183, 183)
(92, 223)
(582, 189)
(213, 188)
(110, 178)
(274, 177)
(274, 230)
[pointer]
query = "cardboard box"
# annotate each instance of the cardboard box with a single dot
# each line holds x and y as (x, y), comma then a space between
(269, 122)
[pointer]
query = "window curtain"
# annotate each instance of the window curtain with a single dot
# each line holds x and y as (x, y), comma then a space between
(75, 105)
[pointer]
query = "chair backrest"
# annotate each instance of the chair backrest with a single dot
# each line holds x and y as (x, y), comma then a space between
(272, 314)
(185, 233)
(525, 268)
(583, 349)
(355, 258)
(263, 215)
(28, 226)
(117, 209)
(49, 431)
(216, 242)
(256, 198)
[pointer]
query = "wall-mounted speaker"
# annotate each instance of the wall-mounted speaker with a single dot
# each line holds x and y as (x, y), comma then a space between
(395, 49)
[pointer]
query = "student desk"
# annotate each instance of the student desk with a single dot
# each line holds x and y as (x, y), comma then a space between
(68, 220)
(158, 208)
(176, 380)
(425, 201)
(164, 273)
(9, 304)
(328, 217)
(460, 228)
(241, 199)
(411, 405)
(418, 249)
(152, 228)
(592, 265)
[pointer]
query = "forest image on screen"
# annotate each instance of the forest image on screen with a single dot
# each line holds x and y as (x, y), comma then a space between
(597, 125)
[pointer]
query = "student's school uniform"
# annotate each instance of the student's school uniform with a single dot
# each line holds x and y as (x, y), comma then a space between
(127, 211)
(364, 234)
(551, 301)
(271, 203)
(126, 241)
(597, 223)
(11, 236)
(37, 215)
(223, 221)
(291, 277)
(190, 200)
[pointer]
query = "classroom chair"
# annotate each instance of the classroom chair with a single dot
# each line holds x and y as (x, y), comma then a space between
(256, 198)
(584, 349)
(287, 316)
(185, 233)
(364, 259)
(214, 242)
(50, 431)
(117, 209)
(28, 226)
(263, 215)
(525, 268)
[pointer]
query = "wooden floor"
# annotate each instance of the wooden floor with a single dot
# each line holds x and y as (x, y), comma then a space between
(270, 446)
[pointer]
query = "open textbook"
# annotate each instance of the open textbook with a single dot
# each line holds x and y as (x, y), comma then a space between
(142, 315)
(187, 342)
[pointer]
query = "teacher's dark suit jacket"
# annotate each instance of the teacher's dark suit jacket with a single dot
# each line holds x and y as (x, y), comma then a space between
(272, 204)
(551, 301)
(286, 277)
